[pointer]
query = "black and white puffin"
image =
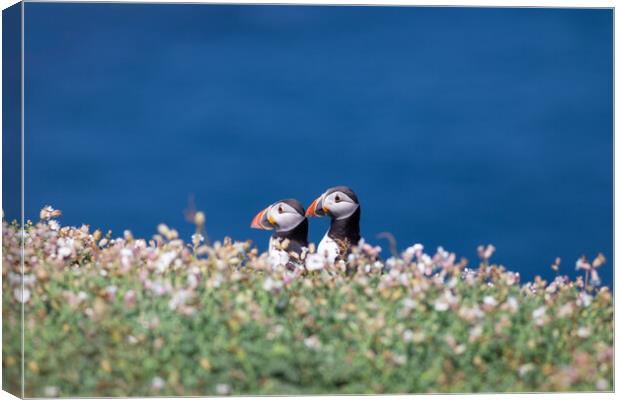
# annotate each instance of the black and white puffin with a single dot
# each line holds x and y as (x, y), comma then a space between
(287, 218)
(342, 205)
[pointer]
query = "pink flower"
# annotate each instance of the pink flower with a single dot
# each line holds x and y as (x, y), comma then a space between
(129, 299)
(582, 263)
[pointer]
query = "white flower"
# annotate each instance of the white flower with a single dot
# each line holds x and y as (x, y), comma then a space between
(583, 332)
(602, 384)
(582, 264)
(539, 312)
(421, 267)
(192, 280)
(164, 260)
(315, 262)
(584, 299)
(391, 263)
(222, 389)
(157, 288)
(441, 305)
(539, 315)
(489, 301)
(408, 336)
(110, 291)
(513, 304)
(65, 247)
(178, 299)
(126, 256)
(525, 368)
(399, 359)
(475, 332)
(158, 383)
(51, 391)
(268, 284)
(426, 259)
(312, 342)
(511, 278)
(54, 225)
(409, 303)
(566, 310)
(410, 252)
(278, 258)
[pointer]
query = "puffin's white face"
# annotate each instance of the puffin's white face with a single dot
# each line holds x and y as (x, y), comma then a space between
(338, 204)
(283, 217)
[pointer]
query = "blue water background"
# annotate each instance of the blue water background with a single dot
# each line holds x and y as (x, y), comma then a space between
(456, 127)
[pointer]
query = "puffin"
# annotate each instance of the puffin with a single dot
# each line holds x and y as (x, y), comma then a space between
(287, 218)
(342, 205)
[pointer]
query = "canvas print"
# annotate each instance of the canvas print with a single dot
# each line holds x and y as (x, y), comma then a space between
(214, 200)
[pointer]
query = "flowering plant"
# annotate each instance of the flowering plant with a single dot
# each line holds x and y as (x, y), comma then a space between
(135, 317)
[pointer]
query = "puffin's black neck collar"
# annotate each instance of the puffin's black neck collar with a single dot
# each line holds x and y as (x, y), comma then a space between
(298, 236)
(346, 228)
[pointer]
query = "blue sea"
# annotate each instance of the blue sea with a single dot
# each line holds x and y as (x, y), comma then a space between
(455, 126)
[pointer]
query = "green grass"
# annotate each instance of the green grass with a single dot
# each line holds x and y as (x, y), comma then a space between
(130, 317)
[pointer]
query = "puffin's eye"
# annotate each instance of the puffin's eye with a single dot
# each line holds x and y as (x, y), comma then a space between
(280, 210)
(337, 199)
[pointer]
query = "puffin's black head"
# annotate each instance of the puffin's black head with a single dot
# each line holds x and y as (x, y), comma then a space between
(338, 202)
(283, 216)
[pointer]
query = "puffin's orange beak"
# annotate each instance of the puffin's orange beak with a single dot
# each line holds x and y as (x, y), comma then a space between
(316, 209)
(260, 221)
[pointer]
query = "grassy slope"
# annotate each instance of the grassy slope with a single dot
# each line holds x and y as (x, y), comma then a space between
(126, 317)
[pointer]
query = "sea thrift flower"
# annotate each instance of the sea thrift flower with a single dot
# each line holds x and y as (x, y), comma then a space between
(582, 263)
(48, 212)
(158, 383)
(312, 342)
(584, 299)
(539, 315)
(222, 389)
(51, 391)
(525, 369)
(583, 332)
(556, 265)
(165, 260)
(126, 257)
(602, 384)
(110, 292)
(486, 253)
(441, 304)
(513, 304)
(54, 225)
(598, 261)
(475, 333)
(407, 304)
(315, 262)
(489, 302)
(129, 299)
